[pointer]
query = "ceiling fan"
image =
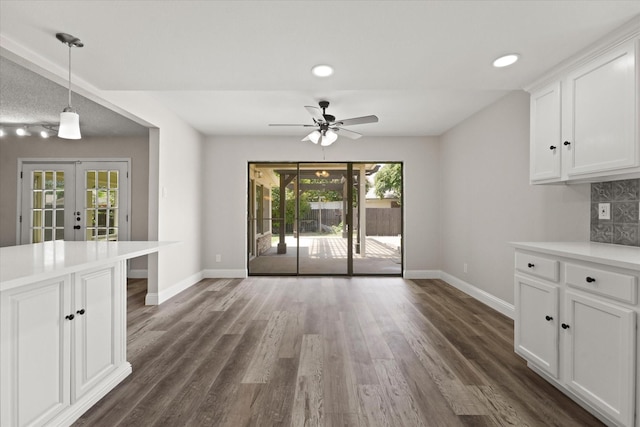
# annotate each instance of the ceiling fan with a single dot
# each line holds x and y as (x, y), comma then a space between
(327, 127)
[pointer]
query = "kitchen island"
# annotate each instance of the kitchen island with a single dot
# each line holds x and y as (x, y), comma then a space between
(62, 327)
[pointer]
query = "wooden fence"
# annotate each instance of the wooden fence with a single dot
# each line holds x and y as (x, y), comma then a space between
(384, 221)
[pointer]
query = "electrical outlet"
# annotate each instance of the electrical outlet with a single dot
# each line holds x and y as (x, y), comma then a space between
(604, 210)
(218, 258)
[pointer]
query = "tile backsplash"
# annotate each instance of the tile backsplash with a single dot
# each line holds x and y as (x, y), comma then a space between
(623, 226)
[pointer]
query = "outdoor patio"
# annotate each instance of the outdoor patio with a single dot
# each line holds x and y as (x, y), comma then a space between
(328, 255)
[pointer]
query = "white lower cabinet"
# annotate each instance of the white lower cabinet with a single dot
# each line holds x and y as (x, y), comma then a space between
(599, 354)
(578, 330)
(536, 325)
(61, 340)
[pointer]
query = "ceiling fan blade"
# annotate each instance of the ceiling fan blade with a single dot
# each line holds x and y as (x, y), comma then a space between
(315, 113)
(306, 126)
(348, 133)
(357, 121)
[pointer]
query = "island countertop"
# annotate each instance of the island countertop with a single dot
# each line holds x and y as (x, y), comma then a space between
(23, 264)
(603, 253)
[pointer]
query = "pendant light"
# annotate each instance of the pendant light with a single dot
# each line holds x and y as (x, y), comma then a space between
(69, 119)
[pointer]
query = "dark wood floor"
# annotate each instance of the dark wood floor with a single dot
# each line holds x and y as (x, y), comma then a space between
(326, 351)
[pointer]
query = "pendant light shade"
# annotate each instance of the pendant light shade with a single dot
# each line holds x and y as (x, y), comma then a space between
(69, 119)
(69, 125)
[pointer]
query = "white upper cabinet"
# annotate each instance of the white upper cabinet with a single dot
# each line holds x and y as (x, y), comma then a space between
(546, 133)
(584, 116)
(602, 115)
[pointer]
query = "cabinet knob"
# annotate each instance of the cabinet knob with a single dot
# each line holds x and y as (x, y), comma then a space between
(80, 312)
(566, 143)
(565, 326)
(531, 265)
(590, 279)
(69, 317)
(553, 147)
(548, 318)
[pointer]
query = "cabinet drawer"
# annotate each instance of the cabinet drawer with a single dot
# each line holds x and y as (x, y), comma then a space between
(621, 287)
(538, 266)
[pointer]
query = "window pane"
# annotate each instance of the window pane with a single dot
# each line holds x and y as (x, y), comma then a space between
(37, 200)
(59, 233)
(91, 179)
(102, 198)
(60, 180)
(113, 179)
(60, 198)
(113, 198)
(48, 234)
(48, 199)
(91, 199)
(48, 180)
(90, 232)
(38, 180)
(102, 179)
(48, 218)
(37, 236)
(37, 219)
(91, 217)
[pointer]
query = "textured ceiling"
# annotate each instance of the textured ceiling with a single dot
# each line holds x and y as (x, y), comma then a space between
(233, 67)
(28, 98)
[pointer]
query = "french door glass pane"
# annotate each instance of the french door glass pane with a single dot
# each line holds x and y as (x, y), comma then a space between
(101, 208)
(47, 208)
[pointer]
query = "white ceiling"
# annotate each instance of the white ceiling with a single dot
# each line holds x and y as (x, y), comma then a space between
(233, 67)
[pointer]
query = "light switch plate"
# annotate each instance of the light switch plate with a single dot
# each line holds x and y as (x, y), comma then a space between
(604, 210)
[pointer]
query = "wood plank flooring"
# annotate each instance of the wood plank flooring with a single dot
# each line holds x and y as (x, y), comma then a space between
(326, 352)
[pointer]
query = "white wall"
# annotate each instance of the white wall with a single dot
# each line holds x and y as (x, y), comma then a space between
(487, 201)
(225, 187)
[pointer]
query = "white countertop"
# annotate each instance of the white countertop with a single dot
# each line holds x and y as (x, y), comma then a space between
(603, 253)
(24, 264)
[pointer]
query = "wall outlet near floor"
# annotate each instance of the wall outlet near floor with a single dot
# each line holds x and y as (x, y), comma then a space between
(604, 210)
(218, 258)
(464, 267)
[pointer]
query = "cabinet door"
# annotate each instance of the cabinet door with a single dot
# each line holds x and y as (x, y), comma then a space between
(35, 355)
(536, 324)
(600, 355)
(96, 327)
(602, 113)
(546, 134)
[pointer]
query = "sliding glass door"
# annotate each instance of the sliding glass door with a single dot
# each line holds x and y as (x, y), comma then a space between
(310, 219)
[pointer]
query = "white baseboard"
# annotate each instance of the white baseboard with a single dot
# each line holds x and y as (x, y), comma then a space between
(165, 294)
(137, 274)
(482, 296)
(421, 274)
(224, 274)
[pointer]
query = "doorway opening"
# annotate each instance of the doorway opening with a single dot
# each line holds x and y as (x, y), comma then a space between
(328, 218)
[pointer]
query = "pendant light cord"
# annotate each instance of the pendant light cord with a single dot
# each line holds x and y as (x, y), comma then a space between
(69, 76)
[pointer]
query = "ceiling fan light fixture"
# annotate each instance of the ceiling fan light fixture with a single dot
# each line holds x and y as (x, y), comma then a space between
(322, 70)
(69, 119)
(506, 60)
(329, 138)
(314, 136)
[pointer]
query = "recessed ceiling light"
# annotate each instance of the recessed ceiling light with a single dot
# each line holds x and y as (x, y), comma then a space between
(322, 70)
(506, 60)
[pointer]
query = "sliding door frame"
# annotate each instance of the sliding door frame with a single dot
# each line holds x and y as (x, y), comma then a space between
(349, 218)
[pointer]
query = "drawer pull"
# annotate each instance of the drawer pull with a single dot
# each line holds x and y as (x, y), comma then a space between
(548, 318)
(553, 147)
(590, 279)
(80, 312)
(69, 317)
(565, 326)
(566, 143)
(531, 265)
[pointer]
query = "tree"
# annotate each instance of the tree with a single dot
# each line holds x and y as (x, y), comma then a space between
(389, 179)
(290, 206)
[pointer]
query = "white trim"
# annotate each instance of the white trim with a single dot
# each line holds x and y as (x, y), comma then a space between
(482, 296)
(165, 294)
(422, 274)
(225, 274)
(137, 274)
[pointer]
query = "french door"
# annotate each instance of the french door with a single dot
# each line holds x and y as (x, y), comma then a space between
(78, 200)
(309, 218)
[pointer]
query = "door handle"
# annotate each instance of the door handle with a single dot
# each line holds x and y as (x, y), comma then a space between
(76, 227)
